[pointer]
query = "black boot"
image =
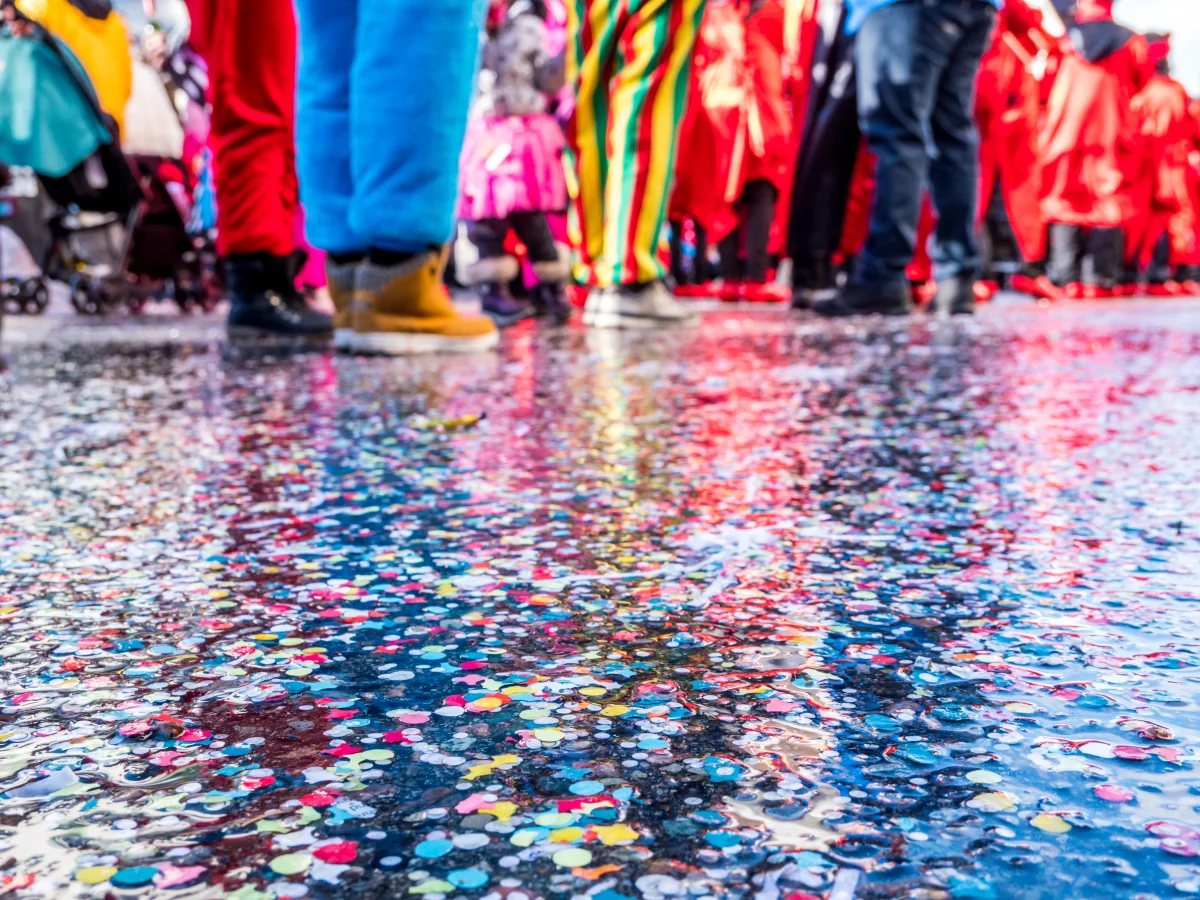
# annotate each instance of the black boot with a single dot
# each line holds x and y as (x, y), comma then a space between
(264, 300)
(501, 306)
(955, 296)
(550, 301)
(813, 280)
(867, 299)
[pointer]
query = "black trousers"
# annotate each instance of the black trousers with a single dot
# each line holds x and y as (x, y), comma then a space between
(1071, 244)
(488, 236)
(758, 213)
(827, 155)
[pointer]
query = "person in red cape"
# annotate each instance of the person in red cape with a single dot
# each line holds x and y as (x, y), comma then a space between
(1008, 110)
(1090, 148)
(707, 140)
(1162, 200)
(762, 157)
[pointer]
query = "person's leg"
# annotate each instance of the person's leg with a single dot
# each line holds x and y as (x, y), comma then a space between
(252, 71)
(701, 271)
(491, 274)
(760, 215)
(730, 250)
(591, 49)
(252, 66)
(327, 30)
(647, 101)
(327, 36)
(901, 54)
(411, 81)
(1106, 246)
(551, 266)
(954, 170)
(1066, 254)
(410, 88)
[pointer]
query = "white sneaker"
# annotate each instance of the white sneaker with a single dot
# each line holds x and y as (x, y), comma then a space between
(651, 307)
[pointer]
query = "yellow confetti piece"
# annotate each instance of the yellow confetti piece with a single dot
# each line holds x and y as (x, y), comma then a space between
(432, 886)
(614, 834)
(593, 691)
(995, 801)
(572, 857)
(1050, 824)
(614, 710)
(981, 776)
(487, 703)
(95, 874)
(549, 735)
(503, 810)
(1020, 708)
(566, 836)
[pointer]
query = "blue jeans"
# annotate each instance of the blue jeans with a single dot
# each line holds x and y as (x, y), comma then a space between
(917, 61)
(383, 92)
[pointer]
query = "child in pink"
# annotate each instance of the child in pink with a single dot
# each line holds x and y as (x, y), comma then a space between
(512, 175)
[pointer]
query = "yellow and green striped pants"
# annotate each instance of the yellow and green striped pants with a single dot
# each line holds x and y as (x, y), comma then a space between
(630, 62)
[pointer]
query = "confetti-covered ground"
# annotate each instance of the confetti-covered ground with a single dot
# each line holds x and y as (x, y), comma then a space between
(772, 609)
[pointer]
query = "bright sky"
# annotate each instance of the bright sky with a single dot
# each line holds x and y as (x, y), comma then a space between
(1182, 19)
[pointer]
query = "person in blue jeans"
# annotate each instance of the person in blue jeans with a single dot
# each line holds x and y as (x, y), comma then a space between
(383, 92)
(917, 61)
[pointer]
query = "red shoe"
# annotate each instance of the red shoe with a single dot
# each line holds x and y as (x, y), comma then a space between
(1126, 290)
(924, 292)
(691, 291)
(728, 291)
(1166, 289)
(1101, 293)
(1074, 290)
(986, 290)
(1189, 288)
(1041, 287)
(770, 292)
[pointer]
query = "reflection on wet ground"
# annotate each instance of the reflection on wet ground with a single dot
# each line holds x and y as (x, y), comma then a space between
(772, 609)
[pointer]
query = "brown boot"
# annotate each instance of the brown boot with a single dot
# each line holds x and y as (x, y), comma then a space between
(341, 283)
(405, 309)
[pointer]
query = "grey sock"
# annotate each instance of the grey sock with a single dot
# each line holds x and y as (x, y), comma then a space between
(374, 278)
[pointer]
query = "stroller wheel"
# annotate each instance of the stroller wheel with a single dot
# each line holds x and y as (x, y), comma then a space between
(84, 299)
(10, 297)
(34, 297)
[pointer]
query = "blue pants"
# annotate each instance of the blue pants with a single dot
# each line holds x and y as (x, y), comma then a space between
(383, 92)
(917, 61)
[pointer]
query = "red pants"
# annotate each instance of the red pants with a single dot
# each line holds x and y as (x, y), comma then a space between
(250, 46)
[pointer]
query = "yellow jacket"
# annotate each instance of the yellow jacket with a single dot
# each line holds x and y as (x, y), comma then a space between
(102, 45)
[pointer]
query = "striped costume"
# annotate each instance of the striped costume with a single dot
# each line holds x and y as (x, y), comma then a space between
(630, 62)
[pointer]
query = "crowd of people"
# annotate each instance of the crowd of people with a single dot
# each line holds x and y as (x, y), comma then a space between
(632, 152)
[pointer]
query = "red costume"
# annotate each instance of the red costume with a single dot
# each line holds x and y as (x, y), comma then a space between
(710, 128)
(250, 46)
(1008, 109)
(1089, 140)
(1162, 192)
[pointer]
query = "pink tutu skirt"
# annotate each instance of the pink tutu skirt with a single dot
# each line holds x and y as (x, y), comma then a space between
(512, 164)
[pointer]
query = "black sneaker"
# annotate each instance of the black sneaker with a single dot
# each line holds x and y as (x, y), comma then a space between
(264, 301)
(867, 300)
(955, 296)
(502, 307)
(550, 301)
(813, 281)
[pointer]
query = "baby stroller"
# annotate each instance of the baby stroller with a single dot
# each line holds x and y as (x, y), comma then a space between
(116, 236)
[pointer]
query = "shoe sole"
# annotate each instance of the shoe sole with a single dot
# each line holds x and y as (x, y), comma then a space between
(244, 335)
(614, 321)
(343, 338)
(415, 344)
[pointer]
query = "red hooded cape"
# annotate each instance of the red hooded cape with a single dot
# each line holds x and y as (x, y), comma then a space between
(1090, 149)
(1161, 189)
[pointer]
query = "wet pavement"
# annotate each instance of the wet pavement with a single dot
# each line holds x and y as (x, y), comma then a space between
(771, 609)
